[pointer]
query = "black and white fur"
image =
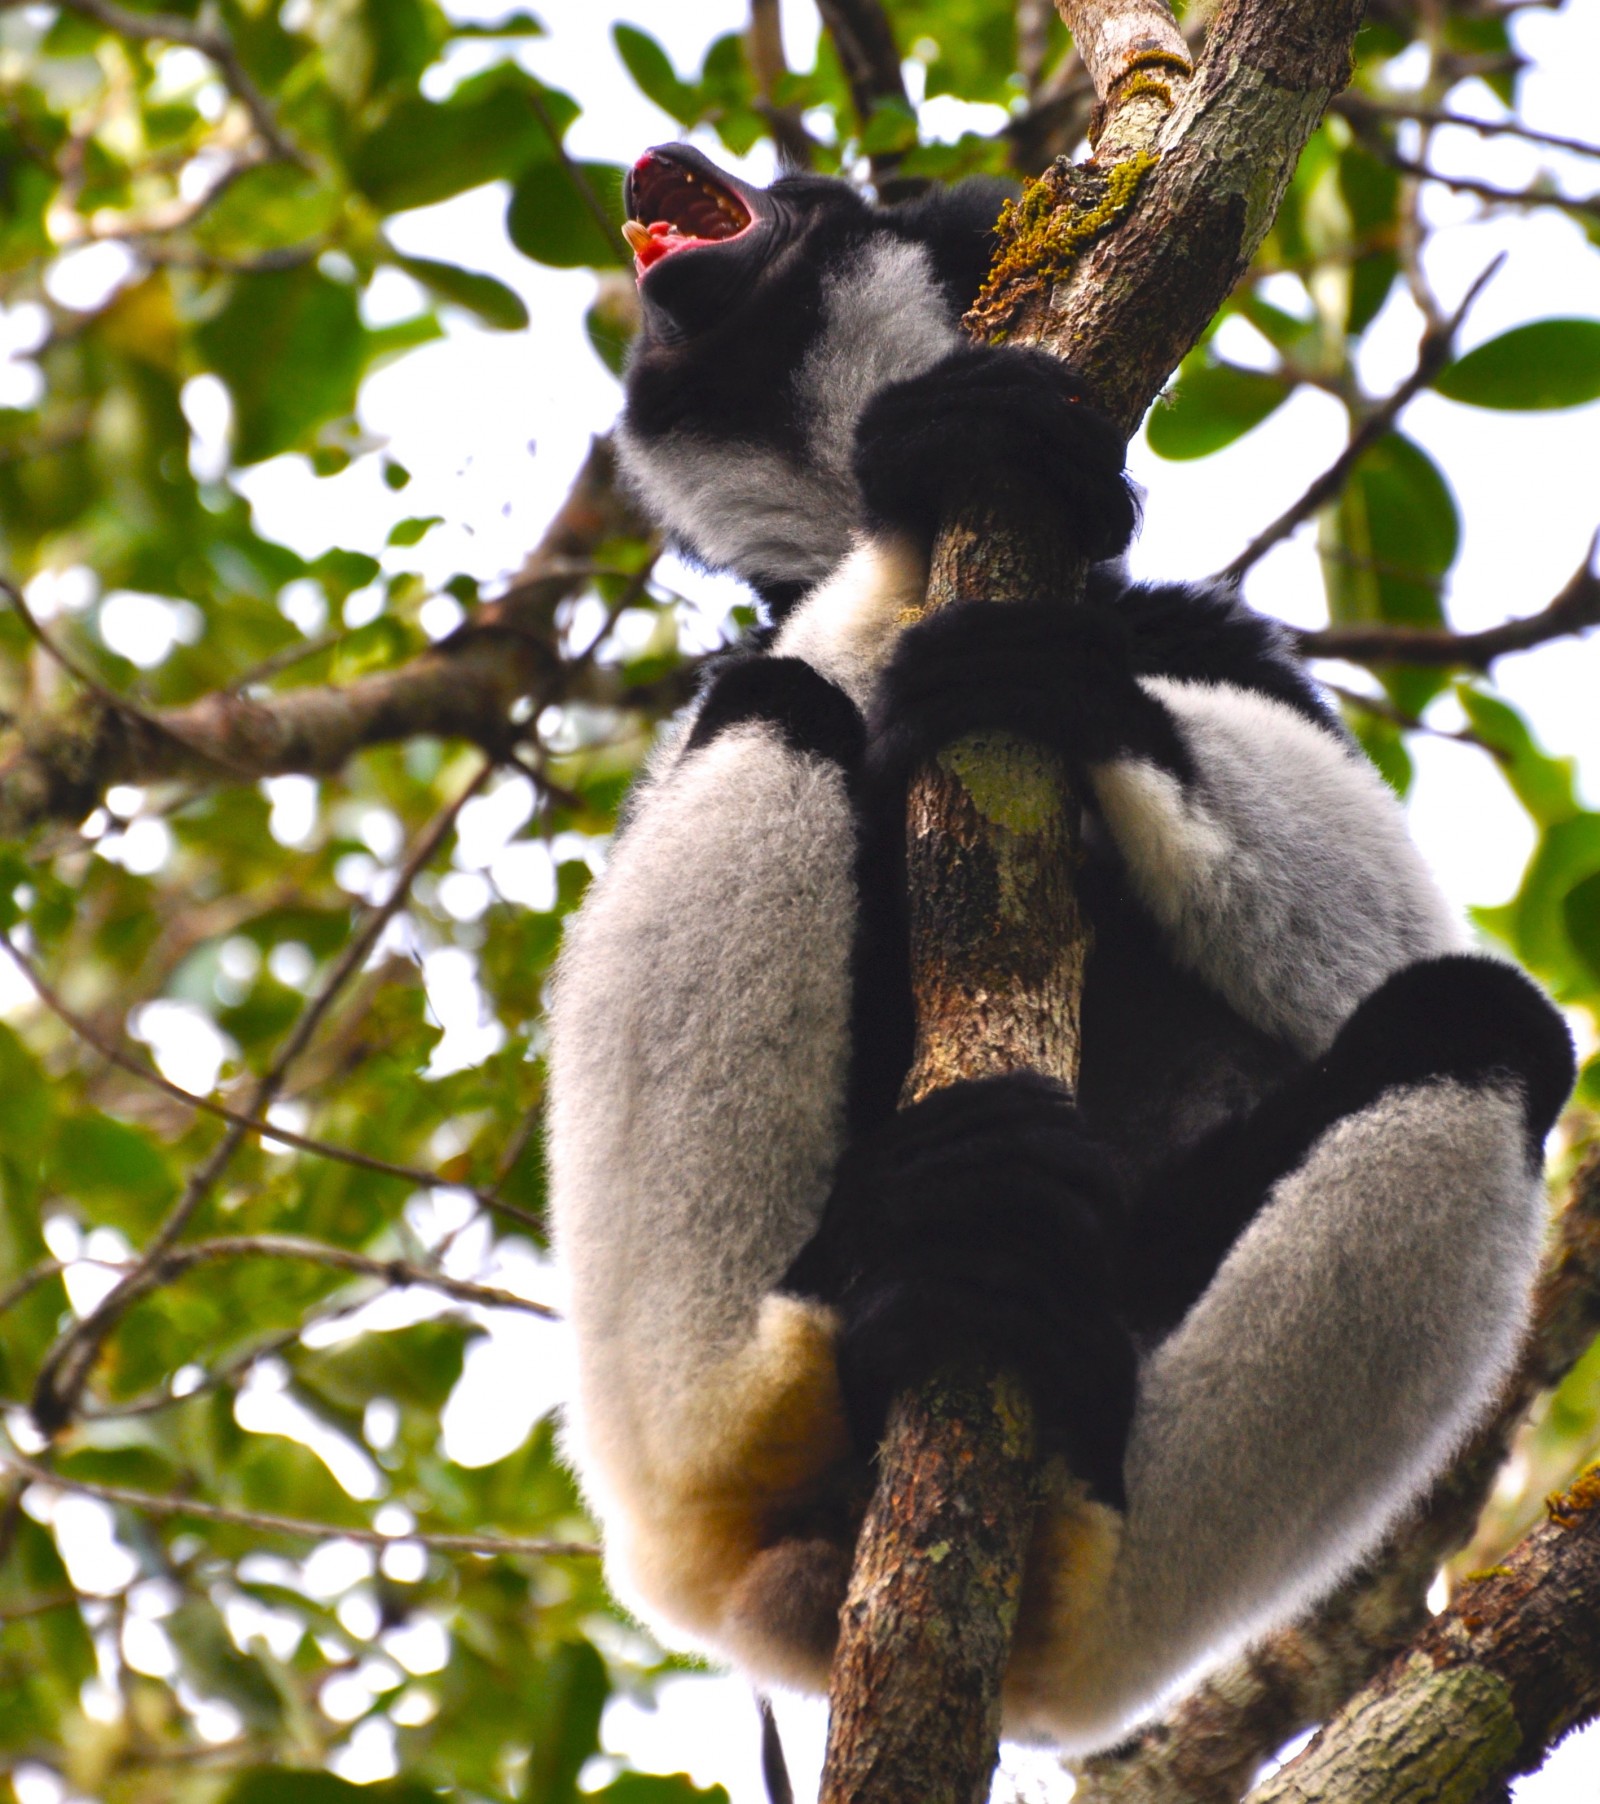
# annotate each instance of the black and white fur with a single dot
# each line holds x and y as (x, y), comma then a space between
(1267, 1267)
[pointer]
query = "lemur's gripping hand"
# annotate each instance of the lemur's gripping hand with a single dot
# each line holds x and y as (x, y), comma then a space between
(1049, 672)
(978, 1223)
(1016, 421)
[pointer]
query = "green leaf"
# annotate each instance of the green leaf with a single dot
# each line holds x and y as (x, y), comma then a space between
(419, 1365)
(556, 210)
(414, 530)
(291, 347)
(490, 129)
(25, 1109)
(654, 75)
(122, 1176)
(1386, 544)
(1581, 909)
(658, 1788)
(1546, 364)
(486, 296)
(1212, 405)
(1545, 786)
(566, 1725)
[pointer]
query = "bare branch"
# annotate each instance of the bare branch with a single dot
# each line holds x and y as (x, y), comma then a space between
(1574, 610)
(763, 39)
(66, 1367)
(464, 688)
(1584, 206)
(1360, 108)
(216, 46)
(264, 1522)
(397, 1273)
(1433, 353)
(864, 40)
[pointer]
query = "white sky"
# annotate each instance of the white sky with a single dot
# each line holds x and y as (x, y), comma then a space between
(492, 427)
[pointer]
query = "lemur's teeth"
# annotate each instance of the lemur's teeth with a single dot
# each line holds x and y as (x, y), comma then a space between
(637, 234)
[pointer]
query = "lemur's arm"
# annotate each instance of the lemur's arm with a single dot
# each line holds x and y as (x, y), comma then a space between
(1271, 855)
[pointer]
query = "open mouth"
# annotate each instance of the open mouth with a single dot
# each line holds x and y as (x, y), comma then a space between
(675, 209)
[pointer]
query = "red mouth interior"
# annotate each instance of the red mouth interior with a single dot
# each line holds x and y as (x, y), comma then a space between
(676, 210)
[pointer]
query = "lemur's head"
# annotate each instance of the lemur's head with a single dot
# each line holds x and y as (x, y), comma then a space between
(770, 316)
(703, 239)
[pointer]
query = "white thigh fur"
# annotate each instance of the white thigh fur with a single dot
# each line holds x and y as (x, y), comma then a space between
(1350, 1341)
(700, 1045)
(1283, 875)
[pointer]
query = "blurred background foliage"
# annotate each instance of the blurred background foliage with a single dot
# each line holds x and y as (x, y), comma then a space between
(195, 211)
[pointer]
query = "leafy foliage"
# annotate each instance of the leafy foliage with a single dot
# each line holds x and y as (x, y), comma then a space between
(252, 224)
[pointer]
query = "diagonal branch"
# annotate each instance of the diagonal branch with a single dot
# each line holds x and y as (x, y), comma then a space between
(1574, 610)
(265, 1522)
(1433, 353)
(1359, 108)
(208, 1105)
(467, 687)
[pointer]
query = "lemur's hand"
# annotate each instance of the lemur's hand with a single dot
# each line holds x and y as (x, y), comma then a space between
(1015, 420)
(977, 1223)
(1046, 671)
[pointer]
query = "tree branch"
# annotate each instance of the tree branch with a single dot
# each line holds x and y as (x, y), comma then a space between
(1485, 1690)
(216, 46)
(864, 40)
(1360, 108)
(58, 767)
(66, 1367)
(1434, 351)
(146, 1073)
(265, 1522)
(1574, 610)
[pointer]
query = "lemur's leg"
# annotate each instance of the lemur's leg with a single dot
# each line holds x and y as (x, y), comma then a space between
(702, 1025)
(1349, 1340)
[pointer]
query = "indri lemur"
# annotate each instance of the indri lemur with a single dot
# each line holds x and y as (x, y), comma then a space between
(1262, 1272)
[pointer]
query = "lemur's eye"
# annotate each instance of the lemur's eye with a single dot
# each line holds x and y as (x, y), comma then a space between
(675, 209)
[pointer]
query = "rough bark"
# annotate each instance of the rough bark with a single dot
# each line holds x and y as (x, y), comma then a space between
(1206, 1750)
(1512, 1665)
(1189, 178)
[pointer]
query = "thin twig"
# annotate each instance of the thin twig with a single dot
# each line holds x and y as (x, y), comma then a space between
(580, 181)
(216, 46)
(148, 1504)
(398, 1273)
(1433, 353)
(1584, 206)
(1574, 610)
(1358, 106)
(66, 1366)
(108, 697)
(29, 1281)
(208, 1105)
(1383, 709)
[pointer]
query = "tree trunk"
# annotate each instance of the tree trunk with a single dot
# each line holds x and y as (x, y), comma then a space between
(1118, 266)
